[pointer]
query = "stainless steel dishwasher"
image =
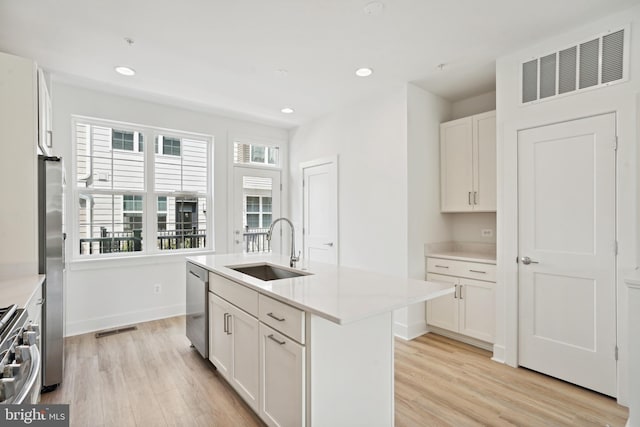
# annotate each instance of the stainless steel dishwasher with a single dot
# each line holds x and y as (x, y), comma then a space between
(197, 307)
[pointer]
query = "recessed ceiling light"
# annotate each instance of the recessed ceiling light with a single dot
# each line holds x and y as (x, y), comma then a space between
(287, 110)
(125, 71)
(364, 72)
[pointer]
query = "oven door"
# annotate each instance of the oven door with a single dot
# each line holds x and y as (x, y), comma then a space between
(29, 388)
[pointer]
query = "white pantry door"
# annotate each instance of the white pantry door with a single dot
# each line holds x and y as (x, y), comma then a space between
(320, 206)
(567, 255)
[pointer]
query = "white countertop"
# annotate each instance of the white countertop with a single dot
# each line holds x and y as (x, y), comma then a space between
(484, 258)
(339, 294)
(19, 290)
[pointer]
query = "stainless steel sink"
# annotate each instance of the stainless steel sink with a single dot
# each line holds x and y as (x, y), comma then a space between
(267, 272)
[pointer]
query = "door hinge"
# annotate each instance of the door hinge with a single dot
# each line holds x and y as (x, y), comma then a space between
(280, 187)
(616, 352)
(615, 142)
(615, 247)
(303, 182)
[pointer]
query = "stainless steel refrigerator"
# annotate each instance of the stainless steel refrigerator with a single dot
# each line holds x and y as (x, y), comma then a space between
(51, 239)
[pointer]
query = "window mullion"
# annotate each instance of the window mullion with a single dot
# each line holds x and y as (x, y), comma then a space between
(151, 228)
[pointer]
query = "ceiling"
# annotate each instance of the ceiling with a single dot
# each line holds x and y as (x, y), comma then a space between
(250, 58)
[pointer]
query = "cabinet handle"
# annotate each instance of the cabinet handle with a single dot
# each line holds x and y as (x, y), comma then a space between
(224, 323)
(475, 197)
(461, 292)
(442, 266)
(455, 291)
(272, 338)
(227, 324)
(469, 198)
(477, 271)
(273, 316)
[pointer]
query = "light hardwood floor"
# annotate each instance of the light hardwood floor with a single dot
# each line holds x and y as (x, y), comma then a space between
(151, 377)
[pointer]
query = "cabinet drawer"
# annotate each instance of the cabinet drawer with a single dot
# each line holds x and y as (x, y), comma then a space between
(235, 293)
(282, 317)
(471, 270)
(442, 266)
(476, 270)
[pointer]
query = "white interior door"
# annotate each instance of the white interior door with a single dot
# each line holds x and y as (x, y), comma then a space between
(256, 203)
(320, 206)
(566, 204)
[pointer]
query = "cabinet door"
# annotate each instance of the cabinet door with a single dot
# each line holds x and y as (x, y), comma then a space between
(443, 311)
(484, 162)
(219, 338)
(456, 171)
(245, 337)
(477, 309)
(282, 373)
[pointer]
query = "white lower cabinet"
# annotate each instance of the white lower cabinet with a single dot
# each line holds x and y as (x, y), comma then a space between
(296, 369)
(282, 379)
(234, 347)
(470, 310)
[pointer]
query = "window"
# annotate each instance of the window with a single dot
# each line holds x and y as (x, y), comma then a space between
(115, 192)
(162, 213)
(132, 214)
(258, 212)
(256, 154)
(127, 141)
(167, 146)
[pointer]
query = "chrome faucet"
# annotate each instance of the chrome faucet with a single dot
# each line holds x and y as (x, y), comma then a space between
(294, 258)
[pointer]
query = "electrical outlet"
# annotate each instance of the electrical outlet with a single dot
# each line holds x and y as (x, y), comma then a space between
(157, 288)
(486, 232)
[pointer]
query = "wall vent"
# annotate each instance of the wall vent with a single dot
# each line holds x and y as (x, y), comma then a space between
(599, 61)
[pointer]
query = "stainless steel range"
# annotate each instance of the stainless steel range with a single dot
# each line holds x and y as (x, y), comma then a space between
(20, 361)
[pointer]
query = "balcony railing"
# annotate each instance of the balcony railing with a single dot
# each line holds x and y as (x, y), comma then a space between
(131, 241)
(182, 239)
(255, 240)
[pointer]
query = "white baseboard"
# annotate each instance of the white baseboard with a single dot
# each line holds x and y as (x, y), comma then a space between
(409, 332)
(499, 352)
(462, 338)
(122, 319)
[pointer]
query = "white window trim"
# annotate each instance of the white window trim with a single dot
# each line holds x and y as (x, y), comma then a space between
(150, 211)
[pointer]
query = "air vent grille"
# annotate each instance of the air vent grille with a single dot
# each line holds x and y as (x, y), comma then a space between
(567, 70)
(589, 54)
(548, 76)
(597, 62)
(613, 57)
(530, 81)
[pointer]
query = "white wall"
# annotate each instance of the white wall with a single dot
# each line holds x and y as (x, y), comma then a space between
(467, 227)
(620, 98)
(18, 167)
(425, 112)
(369, 139)
(107, 293)
(388, 150)
(474, 105)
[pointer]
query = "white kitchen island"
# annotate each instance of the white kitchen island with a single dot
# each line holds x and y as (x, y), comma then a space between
(313, 350)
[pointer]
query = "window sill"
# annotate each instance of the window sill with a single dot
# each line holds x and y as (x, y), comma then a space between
(80, 264)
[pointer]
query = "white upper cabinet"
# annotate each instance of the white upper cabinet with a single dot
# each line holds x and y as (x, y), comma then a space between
(468, 164)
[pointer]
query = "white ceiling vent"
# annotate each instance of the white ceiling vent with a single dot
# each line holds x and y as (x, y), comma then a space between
(599, 61)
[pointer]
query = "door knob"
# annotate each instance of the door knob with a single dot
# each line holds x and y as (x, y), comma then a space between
(330, 244)
(526, 260)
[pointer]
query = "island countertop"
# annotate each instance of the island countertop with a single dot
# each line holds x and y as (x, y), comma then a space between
(339, 294)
